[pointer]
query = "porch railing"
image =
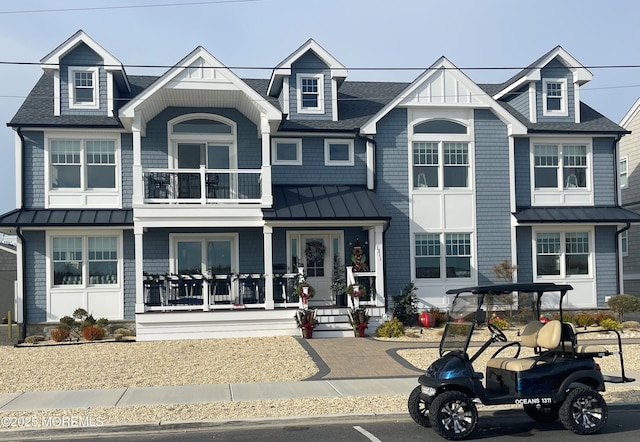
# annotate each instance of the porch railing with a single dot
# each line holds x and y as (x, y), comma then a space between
(202, 185)
(368, 281)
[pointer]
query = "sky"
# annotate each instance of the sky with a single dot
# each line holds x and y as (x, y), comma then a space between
(484, 38)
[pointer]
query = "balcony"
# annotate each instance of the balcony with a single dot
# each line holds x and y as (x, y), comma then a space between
(202, 186)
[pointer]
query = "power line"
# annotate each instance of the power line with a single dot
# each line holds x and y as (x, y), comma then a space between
(102, 8)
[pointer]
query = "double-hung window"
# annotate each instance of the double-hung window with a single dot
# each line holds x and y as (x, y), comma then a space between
(561, 166)
(310, 93)
(83, 164)
(83, 87)
(554, 96)
(624, 172)
(563, 254)
(85, 260)
(443, 254)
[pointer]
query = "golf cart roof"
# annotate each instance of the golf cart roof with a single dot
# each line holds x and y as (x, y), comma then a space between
(527, 287)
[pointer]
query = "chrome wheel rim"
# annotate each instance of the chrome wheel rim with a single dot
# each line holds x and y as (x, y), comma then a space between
(586, 412)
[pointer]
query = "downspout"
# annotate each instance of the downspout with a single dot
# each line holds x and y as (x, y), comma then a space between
(21, 237)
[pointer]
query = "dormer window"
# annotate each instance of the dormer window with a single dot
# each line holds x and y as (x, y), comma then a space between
(83, 88)
(310, 94)
(554, 97)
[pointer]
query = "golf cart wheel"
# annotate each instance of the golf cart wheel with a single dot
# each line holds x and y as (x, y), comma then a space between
(418, 407)
(453, 415)
(584, 411)
(543, 413)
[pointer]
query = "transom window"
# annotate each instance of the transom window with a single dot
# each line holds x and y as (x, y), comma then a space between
(430, 262)
(562, 254)
(310, 93)
(338, 153)
(560, 166)
(85, 260)
(83, 164)
(555, 97)
(286, 151)
(83, 87)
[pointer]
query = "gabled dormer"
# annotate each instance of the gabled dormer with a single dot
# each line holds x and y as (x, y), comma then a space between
(87, 79)
(306, 83)
(548, 90)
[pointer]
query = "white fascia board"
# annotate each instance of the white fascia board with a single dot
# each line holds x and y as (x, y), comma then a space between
(534, 75)
(53, 57)
(581, 74)
(631, 114)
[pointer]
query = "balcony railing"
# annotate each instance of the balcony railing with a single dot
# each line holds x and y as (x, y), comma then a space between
(202, 186)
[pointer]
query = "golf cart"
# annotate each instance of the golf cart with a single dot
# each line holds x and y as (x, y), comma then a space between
(561, 380)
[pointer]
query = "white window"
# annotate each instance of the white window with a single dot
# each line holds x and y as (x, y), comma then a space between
(286, 151)
(216, 254)
(310, 93)
(563, 254)
(440, 165)
(338, 153)
(83, 88)
(83, 164)
(561, 166)
(624, 172)
(554, 97)
(85, 260)
(455, 262)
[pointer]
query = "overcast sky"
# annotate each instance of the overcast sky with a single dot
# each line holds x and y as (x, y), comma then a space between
(359, 33)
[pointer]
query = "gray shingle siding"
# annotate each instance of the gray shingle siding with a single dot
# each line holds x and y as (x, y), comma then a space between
(82, 55)
(556, 70)
(129, 277)
(251, 250)
(493, 218)
(35, 276)
(392, 158)
(520, 102)
(606, 262)
(33, 169)
(522, 172)
(126, 156)
(524, 237)
(313, 171)
(155, 245)
(605, 171)
(309, 63)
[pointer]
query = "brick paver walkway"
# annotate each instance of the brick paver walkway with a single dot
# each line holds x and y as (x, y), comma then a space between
(347, 358)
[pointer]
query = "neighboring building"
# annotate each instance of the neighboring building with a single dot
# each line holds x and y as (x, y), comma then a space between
(231, 183)
(8, 273)
(630, 191)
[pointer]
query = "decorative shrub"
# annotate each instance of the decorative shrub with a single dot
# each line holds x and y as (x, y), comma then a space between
(502, 324)
(566, 317)
(601, 316)
(439, 317)
(122, 332)
(584, 319)
(34, 339)
(405, 305)
(394, 328)
(622, 304)
(60, 333)
(610, 324)
(93, 333)
(630, 325)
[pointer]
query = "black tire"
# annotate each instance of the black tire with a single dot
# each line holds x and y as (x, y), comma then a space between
(453, 415)
(418, 407)
(584, 411)
(543, 413)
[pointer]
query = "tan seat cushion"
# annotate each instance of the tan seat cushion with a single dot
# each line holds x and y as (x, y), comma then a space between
(512, 364)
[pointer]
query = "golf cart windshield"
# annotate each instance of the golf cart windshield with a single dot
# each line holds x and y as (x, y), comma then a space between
(461, 322)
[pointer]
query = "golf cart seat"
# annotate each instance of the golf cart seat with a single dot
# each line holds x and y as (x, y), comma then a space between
(569, 343)
(546, 336)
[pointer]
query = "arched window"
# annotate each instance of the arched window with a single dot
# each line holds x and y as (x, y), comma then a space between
(440, 127)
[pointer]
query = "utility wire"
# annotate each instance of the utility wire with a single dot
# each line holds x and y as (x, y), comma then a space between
(102, 8)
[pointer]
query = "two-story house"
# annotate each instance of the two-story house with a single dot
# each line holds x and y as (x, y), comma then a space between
(630, 190)
(190, 202)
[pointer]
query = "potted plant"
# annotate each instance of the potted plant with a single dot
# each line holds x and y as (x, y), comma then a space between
(306, 321)
(359, 320)
(356, 290)
(305, 291)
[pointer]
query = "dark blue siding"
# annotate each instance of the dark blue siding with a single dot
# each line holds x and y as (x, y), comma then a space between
(525, 254)
(155, 243)
(129, 277)
(82, 55)
(33, 169)
(309, 63)
(556, 70)
(313, 171)
(520, 102)
(492, 194)
(522, 172)
(35, 276)
(392, 183)
(605, 171)
(606, 263)
(126, 155)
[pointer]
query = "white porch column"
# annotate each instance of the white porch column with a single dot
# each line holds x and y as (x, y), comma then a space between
(138, 233)
(265, 132)
(371, 161)
(376, 238)
(138, 186)
(267, 232)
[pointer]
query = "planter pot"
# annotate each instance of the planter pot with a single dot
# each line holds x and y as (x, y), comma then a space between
(307, 331)
(359, 331)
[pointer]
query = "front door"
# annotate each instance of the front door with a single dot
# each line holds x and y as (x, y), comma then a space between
(316, 256)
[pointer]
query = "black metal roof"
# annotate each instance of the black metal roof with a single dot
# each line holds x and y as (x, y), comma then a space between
(590, 215)
(323, 203)
(67, 218)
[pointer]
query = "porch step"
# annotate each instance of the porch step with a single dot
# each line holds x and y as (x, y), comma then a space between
(333, 322)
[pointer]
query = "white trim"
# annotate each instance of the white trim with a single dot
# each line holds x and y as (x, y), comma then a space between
(631, 114)
(563, 230)
(274, 151)
(233, 238)
(334, 99)
(56, 93)
(320, 108)
(109, 93)
(19, 171)
(533, 103)
(52, 59)
(286, 101)
(71, 83)
(327, 152)
(563, 111)
(624, 159)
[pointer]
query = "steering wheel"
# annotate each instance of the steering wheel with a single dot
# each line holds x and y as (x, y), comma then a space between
(496, 333)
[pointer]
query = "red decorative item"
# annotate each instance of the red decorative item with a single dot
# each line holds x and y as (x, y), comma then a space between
(361, 328)
(308, 330)
(426, 319)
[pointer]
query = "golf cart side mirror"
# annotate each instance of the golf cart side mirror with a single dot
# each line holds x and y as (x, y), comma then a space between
(481, 316)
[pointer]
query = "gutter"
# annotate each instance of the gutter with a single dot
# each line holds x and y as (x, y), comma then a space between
(21, 237)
